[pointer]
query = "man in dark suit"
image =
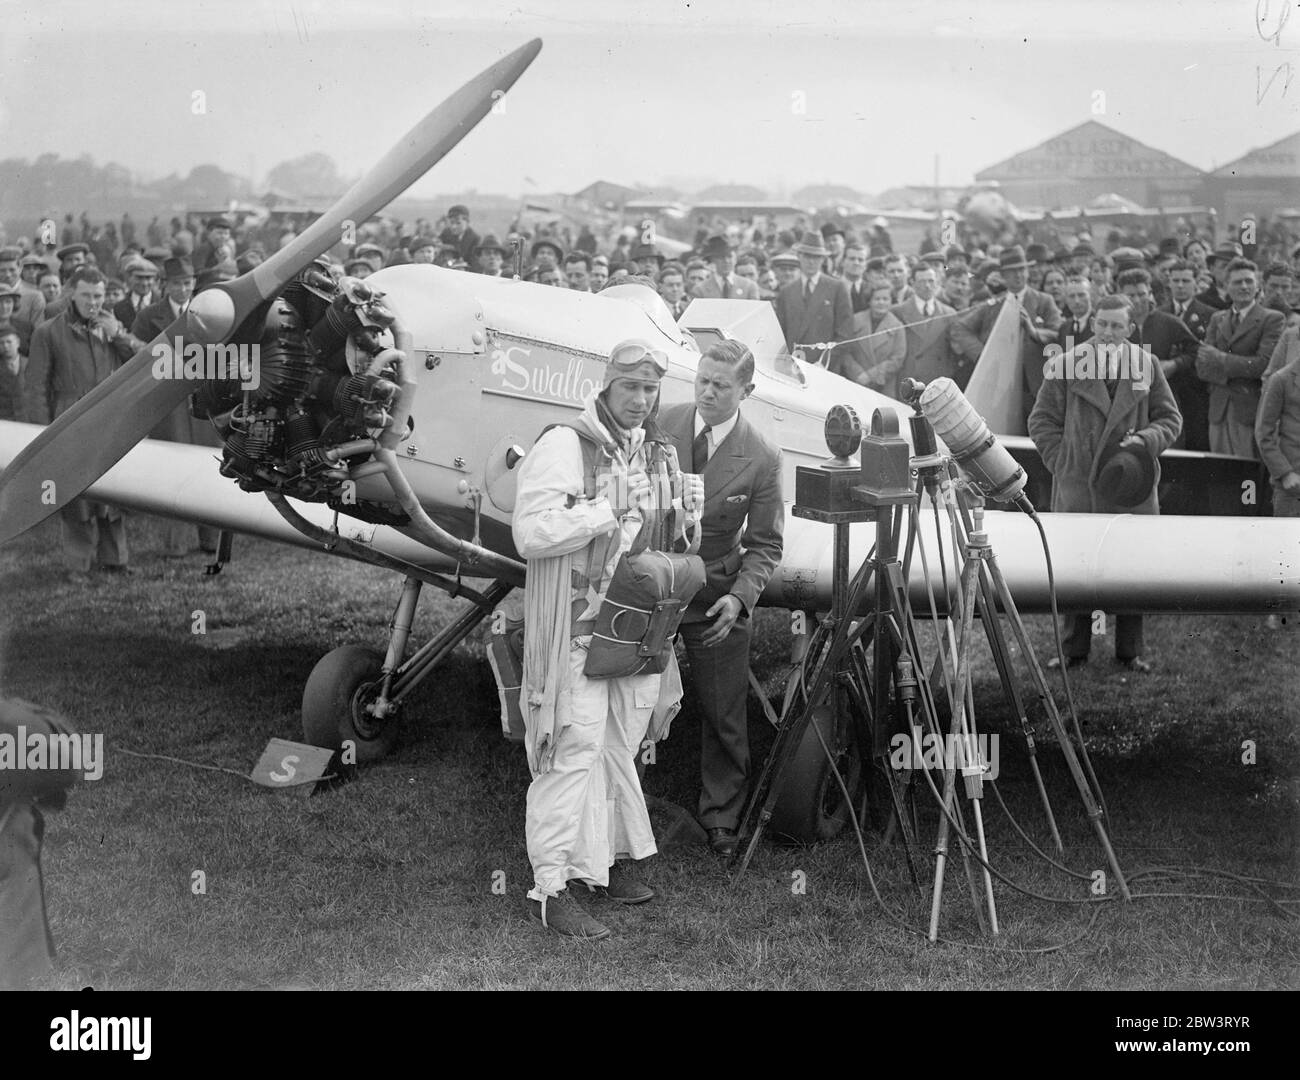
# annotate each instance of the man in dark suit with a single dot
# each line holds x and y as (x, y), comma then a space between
(1158, 332)
(929, 325)
(30, 308)
(853, 270)
(218, 244)
(178, 425)
(1039, 322)
(742, 525)
(1192, 394)
(1216, 296)
(724, 283)
(817, 306)
(1076, 324)
(1237, 349)
(143, 276)
(459, 235)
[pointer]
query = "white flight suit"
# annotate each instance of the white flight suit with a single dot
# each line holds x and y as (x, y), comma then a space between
(588, 808)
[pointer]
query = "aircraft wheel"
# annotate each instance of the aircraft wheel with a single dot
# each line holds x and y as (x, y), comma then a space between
(811, 807)
(338, 689)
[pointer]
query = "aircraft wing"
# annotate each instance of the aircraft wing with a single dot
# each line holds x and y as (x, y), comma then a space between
(1110, 562)
(181, 481)
(1115, 563)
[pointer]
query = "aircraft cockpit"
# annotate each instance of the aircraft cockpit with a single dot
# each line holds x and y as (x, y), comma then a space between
(653, 305)
(752, 322)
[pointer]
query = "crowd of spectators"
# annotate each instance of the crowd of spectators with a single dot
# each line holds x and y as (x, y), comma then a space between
(845, 299)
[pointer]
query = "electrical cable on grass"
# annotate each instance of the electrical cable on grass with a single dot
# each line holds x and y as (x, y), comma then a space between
(1065, 680)
(215, 768)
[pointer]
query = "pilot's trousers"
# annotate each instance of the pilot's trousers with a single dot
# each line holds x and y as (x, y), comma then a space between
(588, 809)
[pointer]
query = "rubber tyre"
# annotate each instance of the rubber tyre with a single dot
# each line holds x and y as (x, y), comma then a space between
(332, 700)
(811, 808)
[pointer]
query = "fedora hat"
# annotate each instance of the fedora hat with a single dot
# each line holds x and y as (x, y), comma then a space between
(1012, 258)
(1126, 475)
(178, 267)
(716, 247)
(1227, 251)
(489, 243)
(545, 242)
(812, 246)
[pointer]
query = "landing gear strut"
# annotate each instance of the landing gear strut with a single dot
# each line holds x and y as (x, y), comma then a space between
(355, 693)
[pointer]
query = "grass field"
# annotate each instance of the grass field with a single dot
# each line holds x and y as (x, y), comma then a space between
(387, 881)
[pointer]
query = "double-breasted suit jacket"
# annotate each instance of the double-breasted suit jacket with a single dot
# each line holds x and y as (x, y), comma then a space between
(744, 515)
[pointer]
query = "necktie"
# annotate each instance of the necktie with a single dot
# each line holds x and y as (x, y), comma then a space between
(726, 289)
(1233, 320)
(700, 451)
(807, 292)
(929, 308)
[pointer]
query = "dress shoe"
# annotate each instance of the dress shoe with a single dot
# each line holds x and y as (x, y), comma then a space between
(723, 841)
(1054, 664)
(1135, 663)
(564, 915)
(624, 886)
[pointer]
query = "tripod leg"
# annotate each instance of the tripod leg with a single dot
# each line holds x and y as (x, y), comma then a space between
(1067, 747)
(962, 834)
(984, 854)
(998, 643)
(958, 704)
(768, 787)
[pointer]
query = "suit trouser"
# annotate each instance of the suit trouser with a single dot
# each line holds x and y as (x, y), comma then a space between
(1128, 636)
(720, 679)
(588, 808)
(174, 536)
(94, 533)
(1231, 436)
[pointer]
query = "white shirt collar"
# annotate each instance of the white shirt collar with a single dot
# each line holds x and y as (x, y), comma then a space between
(717, 433)
(1244, 311)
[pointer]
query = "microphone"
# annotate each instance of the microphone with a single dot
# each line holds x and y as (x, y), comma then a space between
(982, 458)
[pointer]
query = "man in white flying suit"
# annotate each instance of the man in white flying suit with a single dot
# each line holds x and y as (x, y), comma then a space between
(585, 806)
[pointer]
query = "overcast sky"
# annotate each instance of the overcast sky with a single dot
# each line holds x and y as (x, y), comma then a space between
(756, 91)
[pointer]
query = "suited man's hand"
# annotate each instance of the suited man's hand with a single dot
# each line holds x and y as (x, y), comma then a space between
(692, 493)
(1291, 483)
(727, 610)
